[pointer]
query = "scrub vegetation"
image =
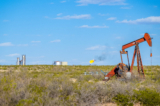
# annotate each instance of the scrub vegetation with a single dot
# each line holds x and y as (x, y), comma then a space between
(47, 85)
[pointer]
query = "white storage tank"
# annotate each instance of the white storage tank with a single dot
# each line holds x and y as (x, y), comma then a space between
(18, 61)
(23, 59)
(57, 63)
(64, 63)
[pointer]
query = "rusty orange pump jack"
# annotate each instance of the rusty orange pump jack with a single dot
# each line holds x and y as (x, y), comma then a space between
(121, 68)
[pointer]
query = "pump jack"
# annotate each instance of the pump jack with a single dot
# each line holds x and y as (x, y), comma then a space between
(121, 69)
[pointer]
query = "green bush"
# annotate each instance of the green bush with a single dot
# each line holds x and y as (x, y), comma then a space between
(24, 102)
(148, 97)
(124, 100)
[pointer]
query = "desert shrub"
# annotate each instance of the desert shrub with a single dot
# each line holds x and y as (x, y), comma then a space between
(156, 77)
(134, 78)
(84, 77)
(53, 89)
(87, 95)
(80, 78)
(88, 77)
(117, 87)
(11, 68)
(36, 89)
(24, 102)
(148, 97)
(124, 100)
(61, 92)
(11, 90)
(98, 77)
(158, 88)
(4, 68)
(53, 86)
(24, 68)
(102, 91)
(66, 88)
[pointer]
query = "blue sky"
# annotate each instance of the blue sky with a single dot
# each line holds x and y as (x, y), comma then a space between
(77, 31)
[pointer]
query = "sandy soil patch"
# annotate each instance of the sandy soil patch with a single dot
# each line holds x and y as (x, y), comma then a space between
(107, 104)
(4, 70)
(73, 80)
(101, 82)
(17, 71)
(90, 81)
(113, 104)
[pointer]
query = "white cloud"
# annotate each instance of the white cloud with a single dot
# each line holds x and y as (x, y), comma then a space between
(96, 26)
(10, 44)
(5, 34)
(46, 17)
(148, 20)
(36, 41)
(153, 34)
(12, 55)
(113, 52)
(63, 1)
(118, 37)
(101, 2)
(112, 18)
(54, 41)
(83, 16)
(155, 6)
(6, 44)
(5, 20)
(98, 47)
(59, 14)
(126, 7)
(2, 61)
(22, 45)
(102, 14)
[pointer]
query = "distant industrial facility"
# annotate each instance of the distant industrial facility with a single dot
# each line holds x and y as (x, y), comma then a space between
(64, 63)
(60, 63)
(21, 62)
